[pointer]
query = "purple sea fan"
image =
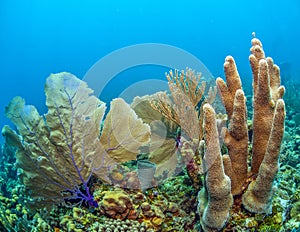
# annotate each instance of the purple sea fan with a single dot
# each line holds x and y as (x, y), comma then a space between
(58, 152)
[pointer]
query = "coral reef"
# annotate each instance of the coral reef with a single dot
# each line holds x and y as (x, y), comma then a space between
(158, 164)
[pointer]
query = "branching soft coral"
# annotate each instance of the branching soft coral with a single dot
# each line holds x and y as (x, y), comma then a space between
(180, 113)
(57, 153)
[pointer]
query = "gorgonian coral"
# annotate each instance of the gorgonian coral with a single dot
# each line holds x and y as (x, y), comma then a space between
(57, 153)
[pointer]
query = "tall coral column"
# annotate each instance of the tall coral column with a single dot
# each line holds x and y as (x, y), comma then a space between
(266, 92)
(236, 136)
(217, 194)
(258, 197)
(268, 129)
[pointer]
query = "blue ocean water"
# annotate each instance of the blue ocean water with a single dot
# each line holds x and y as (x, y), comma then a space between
(124, 48)
(38, 38)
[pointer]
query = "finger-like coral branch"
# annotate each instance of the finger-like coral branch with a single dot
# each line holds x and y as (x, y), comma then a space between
(267, 90)
(258, 197)
(233, 83)
(236, 140)
(218, 198)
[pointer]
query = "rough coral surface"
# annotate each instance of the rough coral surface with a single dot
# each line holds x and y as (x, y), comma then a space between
(236, 140)
(258, 197)
(215, 213)
(118, 205)
(268, 128)
(266, 92)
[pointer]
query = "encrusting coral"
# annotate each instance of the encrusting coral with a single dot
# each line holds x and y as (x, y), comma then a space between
(117, 204)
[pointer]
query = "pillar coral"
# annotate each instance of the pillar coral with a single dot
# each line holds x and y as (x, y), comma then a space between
(268, 128)
(216, 199)
(236, 136)
(258, 197)
(266, 92)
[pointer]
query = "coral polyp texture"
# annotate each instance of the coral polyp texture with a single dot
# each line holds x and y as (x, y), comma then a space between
(216, 199)
(186, 159)
(268, 129)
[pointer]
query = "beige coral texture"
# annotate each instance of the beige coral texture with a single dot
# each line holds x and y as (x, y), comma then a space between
(268, 128)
